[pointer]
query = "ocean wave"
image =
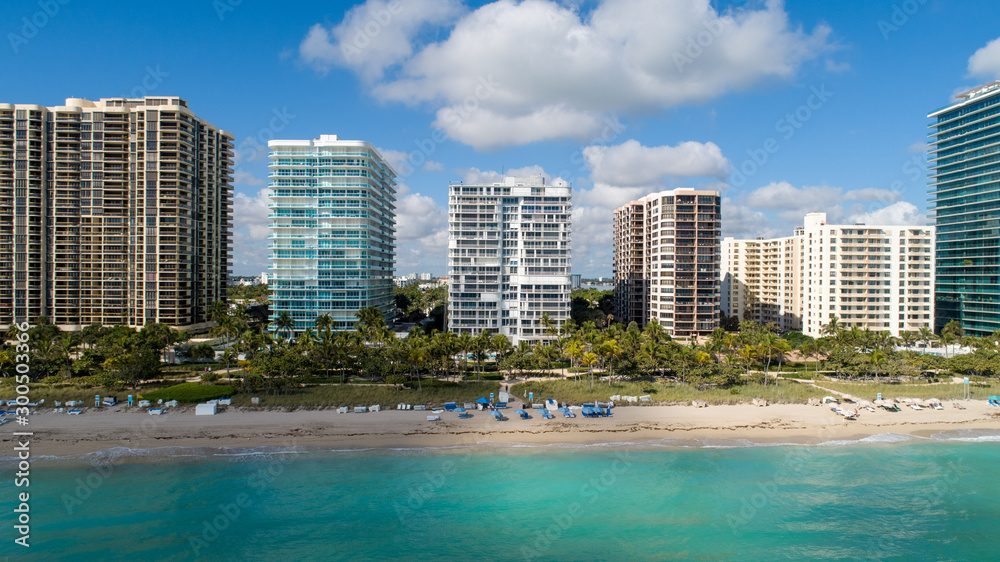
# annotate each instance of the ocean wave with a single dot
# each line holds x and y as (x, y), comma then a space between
(968, 435)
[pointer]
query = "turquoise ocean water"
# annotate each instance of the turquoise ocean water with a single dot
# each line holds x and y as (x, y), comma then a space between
(885, 497)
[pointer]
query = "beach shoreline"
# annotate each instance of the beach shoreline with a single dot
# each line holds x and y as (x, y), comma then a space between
(59, 435)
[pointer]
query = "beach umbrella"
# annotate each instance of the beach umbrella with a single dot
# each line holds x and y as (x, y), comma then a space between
(520, 412)
(459, 409)
(564, 409)
(482, 401)
(993, 398)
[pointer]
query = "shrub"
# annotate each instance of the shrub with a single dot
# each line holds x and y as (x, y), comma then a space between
(191, 392)
(210, 377)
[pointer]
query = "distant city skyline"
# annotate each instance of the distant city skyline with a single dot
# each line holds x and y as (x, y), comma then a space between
(785, 109)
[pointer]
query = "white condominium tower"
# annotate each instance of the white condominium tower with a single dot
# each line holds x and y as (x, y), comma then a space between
(508, 257)
(875, 277)
(333, 231)
(761, 280)
(113, 212)
(666, 261)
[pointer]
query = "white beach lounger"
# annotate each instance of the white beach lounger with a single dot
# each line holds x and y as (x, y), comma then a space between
(75, 412)
(916, 406)
(433, 418)
(156, 411)
(342, 410)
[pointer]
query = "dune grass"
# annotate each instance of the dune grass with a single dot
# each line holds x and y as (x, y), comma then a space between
(434, 393)
(576, 392)
(870, 390)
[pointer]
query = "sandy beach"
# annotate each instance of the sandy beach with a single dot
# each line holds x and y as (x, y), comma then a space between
(59, 434)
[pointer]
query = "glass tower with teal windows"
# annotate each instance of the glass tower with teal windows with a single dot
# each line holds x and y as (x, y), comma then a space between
(964, 180)
(332, 231)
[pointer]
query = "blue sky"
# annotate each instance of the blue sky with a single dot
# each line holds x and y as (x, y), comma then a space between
(785, 108)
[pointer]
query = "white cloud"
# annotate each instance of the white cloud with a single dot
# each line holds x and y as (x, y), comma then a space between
(432, 166)
(250, 212)
(475, 176)
(417, 215)
(243, 177)
(374, 35)
(492, 88)
(985, 62)
(740, 221)
(791, 204)
(250, 231)
(632, 164)
(899, 213)
(591, 240)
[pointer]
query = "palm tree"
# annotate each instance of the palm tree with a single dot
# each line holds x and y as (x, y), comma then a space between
(465, 344)
(810, 348)
(832, 328)
(877, 359)
(926, 336)
(611, 351)
(284, 323)
(324, 321)
(590, 359)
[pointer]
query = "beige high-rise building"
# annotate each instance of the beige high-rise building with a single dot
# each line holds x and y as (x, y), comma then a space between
(115, 212)
(666, 261)
(760, 281)
(875, 277)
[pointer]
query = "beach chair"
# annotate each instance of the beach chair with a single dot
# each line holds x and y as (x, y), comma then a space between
(156, 411)
(434, 418)
(464, 415)
(449, 406)
(75, 412)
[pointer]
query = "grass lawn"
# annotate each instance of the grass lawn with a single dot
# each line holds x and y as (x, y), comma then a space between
(575, 392)
(434, 393)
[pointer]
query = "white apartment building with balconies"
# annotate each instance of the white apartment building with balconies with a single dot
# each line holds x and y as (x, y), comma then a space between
(872, 277)
(509, 257)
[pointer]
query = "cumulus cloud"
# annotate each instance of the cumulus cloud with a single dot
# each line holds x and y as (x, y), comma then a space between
(243, 177)
(591, 240)
(985, 62)
(432, 166)
(741, 221)
(899, 213)
(475, 176)
(374, 35)
(250, 231)
(492, 89)
(631, 164)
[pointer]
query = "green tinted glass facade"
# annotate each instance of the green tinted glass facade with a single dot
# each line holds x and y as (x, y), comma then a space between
(964, 180)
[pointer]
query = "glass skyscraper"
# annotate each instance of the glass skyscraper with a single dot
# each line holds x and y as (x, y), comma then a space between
(333, 230)
(964, 181)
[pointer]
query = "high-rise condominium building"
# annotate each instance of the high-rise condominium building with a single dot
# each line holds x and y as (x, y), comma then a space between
(333, 231)
(761, 281)
(114, 212)
(965, 193)
(666, 261)
(874, 277)
(509, 257)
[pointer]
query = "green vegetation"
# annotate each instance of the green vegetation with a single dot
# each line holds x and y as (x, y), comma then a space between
(945, 391)
(575, 392)
(191, 392)
(333, 395)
